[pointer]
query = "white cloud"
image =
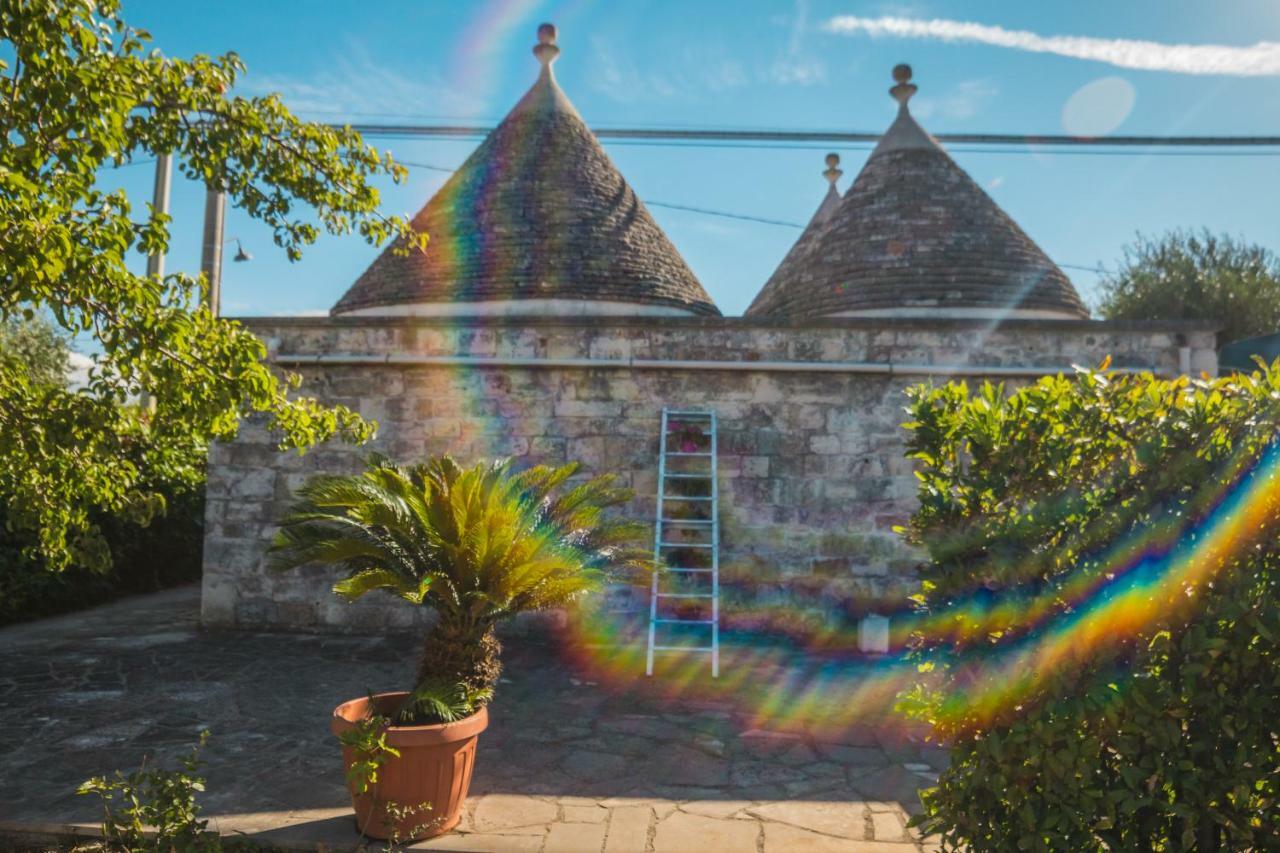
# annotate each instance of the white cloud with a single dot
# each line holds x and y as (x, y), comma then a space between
(359, 85)
(1257, 60)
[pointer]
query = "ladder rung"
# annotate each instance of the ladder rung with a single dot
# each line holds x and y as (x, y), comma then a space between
(698, 521)
(704, 476)
(689, 414)
(691, 571)
(683, 648)
(686, 621)
(685, 545)
(685, 595)
(684, 453)
(684, 498)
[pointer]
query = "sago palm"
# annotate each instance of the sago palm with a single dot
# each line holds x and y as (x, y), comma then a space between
(476, 544)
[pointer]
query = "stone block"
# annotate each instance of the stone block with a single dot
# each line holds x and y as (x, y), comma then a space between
(587, 409)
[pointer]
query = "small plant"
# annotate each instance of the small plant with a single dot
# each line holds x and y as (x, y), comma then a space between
(152, 809)
(434, 701)
(687, 437)
(478, 545)
(369, 742)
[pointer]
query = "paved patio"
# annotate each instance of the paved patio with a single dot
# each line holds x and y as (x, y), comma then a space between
(567, 764)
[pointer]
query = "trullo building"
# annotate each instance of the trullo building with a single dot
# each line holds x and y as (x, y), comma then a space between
(551, 319)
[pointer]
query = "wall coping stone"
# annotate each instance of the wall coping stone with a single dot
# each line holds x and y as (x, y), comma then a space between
(1080, 326)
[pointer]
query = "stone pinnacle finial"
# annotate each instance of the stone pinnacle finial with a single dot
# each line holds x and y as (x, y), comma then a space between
(833, 172)
(905, 88)
(546, 49)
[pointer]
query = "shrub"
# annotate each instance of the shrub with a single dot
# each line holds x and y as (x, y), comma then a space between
(164, 553)
(1098, 623)
(153, 809)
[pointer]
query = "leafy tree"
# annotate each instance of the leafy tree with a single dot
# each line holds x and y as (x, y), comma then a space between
(1197, 276)
(37, 346)
(477, 545)
(80, 92)
(1098, 638)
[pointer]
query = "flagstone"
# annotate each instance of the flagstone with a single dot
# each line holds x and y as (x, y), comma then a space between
(688, 833)
(716, 808)
(780, 838)
(887, 826)
(575, 838)
(585, 814)
(482, 843)
(513, 811)
(628, 829)
(841, 819)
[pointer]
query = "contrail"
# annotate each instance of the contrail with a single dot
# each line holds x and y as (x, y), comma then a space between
(1258, 60)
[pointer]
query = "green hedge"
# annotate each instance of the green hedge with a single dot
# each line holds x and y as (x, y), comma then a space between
(1099, 619)
(165, 553)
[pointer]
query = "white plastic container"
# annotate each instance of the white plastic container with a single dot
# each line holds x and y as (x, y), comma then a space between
(873, 634)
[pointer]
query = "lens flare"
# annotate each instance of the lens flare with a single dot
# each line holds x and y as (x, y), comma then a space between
(786, 677)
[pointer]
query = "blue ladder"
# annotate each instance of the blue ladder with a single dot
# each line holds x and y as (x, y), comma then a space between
(691, 469)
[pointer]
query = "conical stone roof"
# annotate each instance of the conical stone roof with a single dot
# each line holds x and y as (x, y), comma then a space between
(799, 250)
(537, 221)
(915, 236)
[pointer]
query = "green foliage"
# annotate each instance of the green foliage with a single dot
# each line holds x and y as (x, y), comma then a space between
(34, 344)
(152, 809)
(477, 544)
(1148, 723)
(82, 92)
(144, 559)
(368, 741)
(1196, 276)
(439, 702)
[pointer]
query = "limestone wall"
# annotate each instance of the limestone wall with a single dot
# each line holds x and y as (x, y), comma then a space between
(812, 473)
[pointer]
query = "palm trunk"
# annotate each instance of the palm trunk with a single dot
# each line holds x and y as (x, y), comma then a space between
(461, 654)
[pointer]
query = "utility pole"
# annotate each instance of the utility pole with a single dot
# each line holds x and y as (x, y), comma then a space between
(160, 201)
(155, 261)
(215, 210)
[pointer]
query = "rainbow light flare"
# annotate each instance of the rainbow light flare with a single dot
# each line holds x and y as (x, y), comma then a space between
(490, 39)
(1147, 579)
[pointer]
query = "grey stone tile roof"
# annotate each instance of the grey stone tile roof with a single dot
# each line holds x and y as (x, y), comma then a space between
(538, 211)
(793, 261)
(914, 232)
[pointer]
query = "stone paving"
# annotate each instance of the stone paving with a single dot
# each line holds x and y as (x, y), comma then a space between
(566, 765)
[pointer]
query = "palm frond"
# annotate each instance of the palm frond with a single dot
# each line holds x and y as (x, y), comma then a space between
(484, 542)
(364, 582)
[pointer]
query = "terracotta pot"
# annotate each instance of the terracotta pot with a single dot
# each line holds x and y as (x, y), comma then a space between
(434, 767)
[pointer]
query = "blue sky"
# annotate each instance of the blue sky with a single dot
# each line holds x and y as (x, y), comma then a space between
(755, 64)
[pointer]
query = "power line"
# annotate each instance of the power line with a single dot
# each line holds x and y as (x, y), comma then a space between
(726, 214)
(706, 211)
(1057, 152)
(426, 166)
(839, 137)
(1098, 270)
